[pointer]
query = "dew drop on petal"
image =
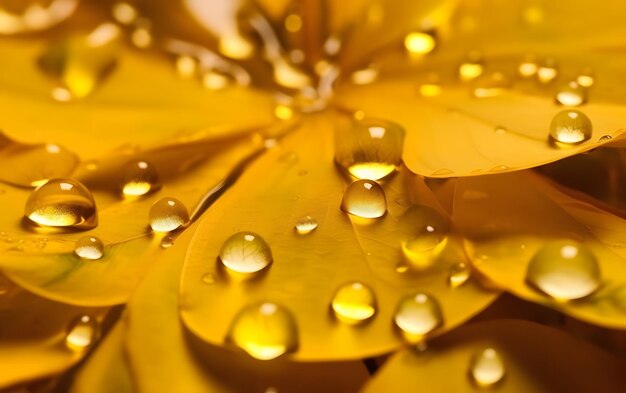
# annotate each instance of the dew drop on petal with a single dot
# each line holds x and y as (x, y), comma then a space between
(167, 214)
(419, 43)
(486, 368)
(585, 79)
(354, 303)
(458, 274)
(264, 330)
(61, 203)
(426, 236)
(306, 225)
(570, 127)
(82, 333)
(364, 198)
(572, 94)
(245, 252)
(139, 178)
(89, 247)
(547, 71)
(417, 315)
(564, 270)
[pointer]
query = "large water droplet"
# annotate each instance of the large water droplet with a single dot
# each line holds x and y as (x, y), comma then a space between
(82, 333)
(564, 270)
(264, 330)
(306, 225)
(419, 43)
(89, 247)
(81, 62)
(245, 252)
(370, 148)
(459, 274)
(570, 127)
(572, 94)
(61, 203)
(167, 214)
(364, 198)
(417, 315)
(486, 368)
(354, 303)
(139, 178)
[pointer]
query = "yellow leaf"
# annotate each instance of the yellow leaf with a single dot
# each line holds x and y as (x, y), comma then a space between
(536, 358)
(32, 343)
(154, 328)
(106, 370)
(298, 178)
(508, 218)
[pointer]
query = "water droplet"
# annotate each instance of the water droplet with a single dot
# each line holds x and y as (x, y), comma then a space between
(208, 278)
(167, 214)
(62, 203)
(370, 148)
(332, 45)
(364, 198)
(419, 43)
(365, 76)
(486, 367)
(459, 274)
(605, 138)
(417, 315)
(82, 333)
(141, 36)
(283, 112)
(564, 270)
(124, 13)
(586, 79)
(139, 178)
(354, 303)
(472, 67)
(571, 94)
(306, 225)
(81, 62)
(491, 85)
(264, 330)
(28, 165)
(167, 241)
(186, 66)
(570, 127)
(528, 68)
(245, 252)
(500, 130)
(426, 237)
(547, 72)
(89, 247)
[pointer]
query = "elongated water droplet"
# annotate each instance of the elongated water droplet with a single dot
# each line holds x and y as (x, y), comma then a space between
(139, 178)
(564, 270)
(306, 225)
(547, 72)
(570, 127)
(80, 63)
(426, 236)
(459, 274)
(32, 165)
(472, 67)
(89, 247)
(61, 203)
(354, 303)
(364, 198)
(605, 138)
(245, 252)
(419, 43)
(167, 214)
(82, 333)
(486, 368)
(264, 330)
(370, 148)
(571, 94)
(417, 315)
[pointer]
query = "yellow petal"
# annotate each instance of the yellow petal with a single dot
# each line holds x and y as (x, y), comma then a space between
(508, 218)
(536, 358)
(106, 370)
(154, 328)
(295, 179)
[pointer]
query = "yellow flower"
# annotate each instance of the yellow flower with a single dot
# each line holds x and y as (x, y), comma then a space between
(271, 196)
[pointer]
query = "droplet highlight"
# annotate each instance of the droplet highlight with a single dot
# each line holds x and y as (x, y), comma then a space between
(570, 127)
(486, 368)
(82, 333)
(572, 94)
(139, 178)
(417, 315)
(89, 247)
(306, 225)
(245, 252)
(61, 203)
(458, 274)
(364, 198)
(354, 303)
(167, 214)
(419, 43)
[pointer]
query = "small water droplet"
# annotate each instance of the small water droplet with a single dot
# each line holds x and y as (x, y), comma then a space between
(528, 68)
(564, 270)
(264, 330)
(491, 85)
(547, 71)
(89, 247)
(364, 198)
(417, 315)
(124, 13)
(82, 333)
(459, 274)
(306, 225)
(585, 79)
(428, 236)
(499, 130)
(472, 67)
(572, 94)
(354, 303)
(570, 127)
(370, 148)
(402, 267)
(605, 138)
(167, 214)
(62, 203)
(486, 368)
(139, 178)
(419, 43)
(442, 172)
(208, 278)
(245, 252)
